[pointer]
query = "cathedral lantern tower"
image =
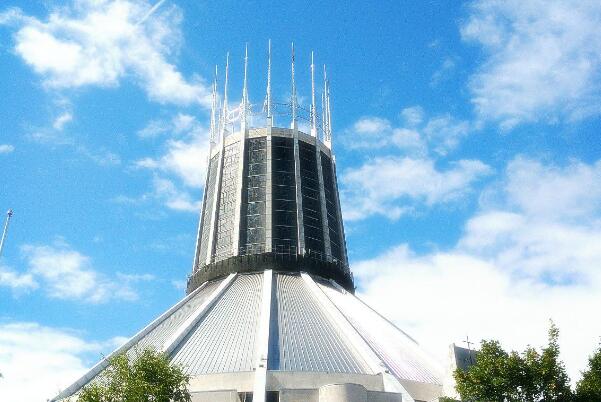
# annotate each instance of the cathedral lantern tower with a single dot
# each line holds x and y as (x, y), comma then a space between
(270, 312)
(271, 198)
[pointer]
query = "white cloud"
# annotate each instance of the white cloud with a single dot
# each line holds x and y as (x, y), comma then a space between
(48, 358)
(392, 186)
(445, 132)
(64, 273)
(543, 59)
(6, 148)
(153, 129)
(552, 191)
(15, 280)
(372, 132)
(413, 115)
(180, 169)
(184, 158)
(443, 72)
(168, 193)
(173, 197)
(55, 135)
(511, 271)
(441, 133)
(101, 157)
(61, 120)
(371, 125)
(100, 42)
(135, 277)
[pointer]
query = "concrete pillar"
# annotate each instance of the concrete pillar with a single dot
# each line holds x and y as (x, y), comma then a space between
(240, 187)
(324, 209)
(299, 197)
(269, 195)
(342, 393)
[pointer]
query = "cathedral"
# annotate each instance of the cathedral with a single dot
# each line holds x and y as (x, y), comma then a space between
(270, 312)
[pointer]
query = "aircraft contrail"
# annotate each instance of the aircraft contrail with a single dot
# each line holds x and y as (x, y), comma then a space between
(151, 11)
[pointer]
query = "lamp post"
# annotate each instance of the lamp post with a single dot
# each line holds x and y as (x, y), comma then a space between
(9, 214)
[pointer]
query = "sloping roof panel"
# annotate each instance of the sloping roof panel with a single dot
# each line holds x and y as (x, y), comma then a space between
(224, 339)
(401, 354)
(308, 340)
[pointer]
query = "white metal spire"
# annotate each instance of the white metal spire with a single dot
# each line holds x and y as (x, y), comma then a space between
(214, 111)
(244, 105)
(224, 109)
(268, 97)
(313, 106)
(9, 215)
(323, 108)
(327, 115)
(293, 100)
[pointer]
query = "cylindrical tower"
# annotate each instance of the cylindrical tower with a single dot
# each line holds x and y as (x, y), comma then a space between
(271, 202)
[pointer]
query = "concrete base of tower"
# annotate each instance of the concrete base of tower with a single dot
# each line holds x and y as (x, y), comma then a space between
(285, 386)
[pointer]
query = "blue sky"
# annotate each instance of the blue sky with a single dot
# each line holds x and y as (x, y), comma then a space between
(467, 145)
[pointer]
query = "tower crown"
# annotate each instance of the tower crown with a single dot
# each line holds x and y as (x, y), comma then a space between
(271, 198)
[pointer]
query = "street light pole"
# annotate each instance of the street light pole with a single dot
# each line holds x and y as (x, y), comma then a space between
(9, 215)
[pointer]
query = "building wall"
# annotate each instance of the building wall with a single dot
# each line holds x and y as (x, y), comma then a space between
(288, 203)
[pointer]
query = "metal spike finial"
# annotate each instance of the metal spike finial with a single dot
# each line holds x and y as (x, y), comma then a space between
(327, 112)
(268, 96)
(313, 106)
(9, 215)
(323, 108)
(245, 85)
(245, 90)
(293, 100)
(214, 111)
(224, 109)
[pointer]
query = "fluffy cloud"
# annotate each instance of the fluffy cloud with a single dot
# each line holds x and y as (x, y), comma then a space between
(49, 357)
(413, 115)
(392, 186)
(180, 168)
(551, 191)
(185, 155)
(15, 280)
(174, 197)
(6, 148)
(99, 42)
(515, 267)
(61, 120)
(543, 59)
(444, 133)
(64, 273)
(414, 135)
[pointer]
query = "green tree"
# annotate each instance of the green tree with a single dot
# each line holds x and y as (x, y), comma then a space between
(148, 377)
(530, 376)
(589, 387)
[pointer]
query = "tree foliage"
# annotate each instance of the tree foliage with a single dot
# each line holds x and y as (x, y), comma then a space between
(148, 377)
(530, 376)
(589, 387)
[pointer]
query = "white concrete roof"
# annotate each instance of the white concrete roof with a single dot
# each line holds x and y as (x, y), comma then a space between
(309, 325)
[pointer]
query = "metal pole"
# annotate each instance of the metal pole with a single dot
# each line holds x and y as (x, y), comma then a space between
(9, 214)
